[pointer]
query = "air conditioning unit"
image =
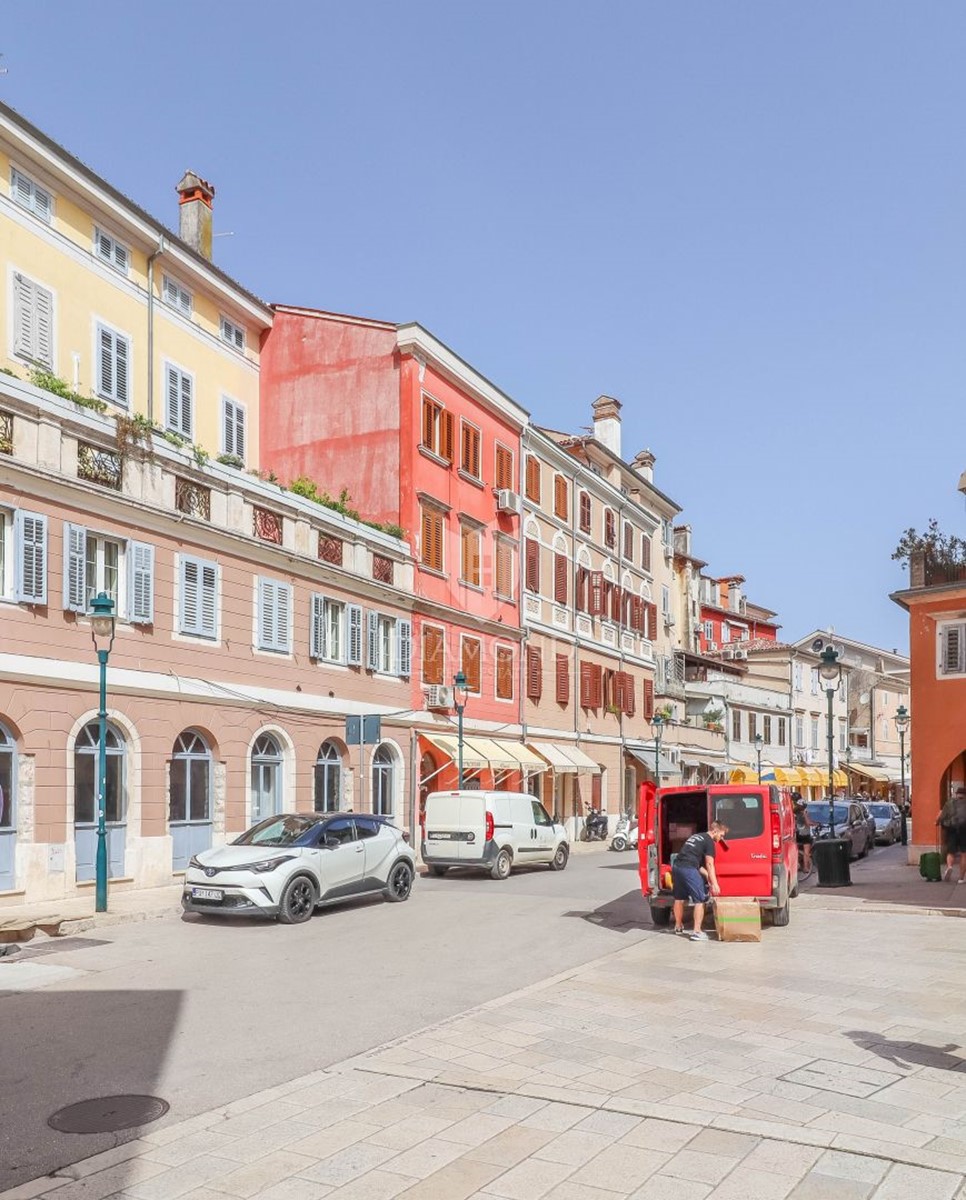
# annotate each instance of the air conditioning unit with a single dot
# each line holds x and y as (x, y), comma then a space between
(712, 645)
(739, 653)
(439, 696)
(507, 501)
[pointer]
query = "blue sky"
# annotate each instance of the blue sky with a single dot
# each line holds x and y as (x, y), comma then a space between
(744, 218)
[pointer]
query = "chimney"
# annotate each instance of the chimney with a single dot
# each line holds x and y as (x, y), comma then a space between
(734, 595)
(607, 423)
(643, 464)
(195, 197)
(682, 540)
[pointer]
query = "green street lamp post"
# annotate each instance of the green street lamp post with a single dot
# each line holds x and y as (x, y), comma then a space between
(831, 675)
(902, 724)
(657, 724)
(460, 690)
(102, 631)
(759, 743)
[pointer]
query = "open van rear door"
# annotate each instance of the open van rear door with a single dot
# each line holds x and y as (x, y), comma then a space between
(647, 838)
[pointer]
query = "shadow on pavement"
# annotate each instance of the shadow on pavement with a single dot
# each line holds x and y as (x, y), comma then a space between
(622, 915)
(59, 1048)
(909, 1054)
(886, 877)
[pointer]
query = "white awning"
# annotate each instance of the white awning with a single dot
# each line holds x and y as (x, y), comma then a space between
(473, 759)
(565, 758)
(645, 756)
(481, 752)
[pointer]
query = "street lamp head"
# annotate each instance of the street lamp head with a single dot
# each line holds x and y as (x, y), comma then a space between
(657, 722)
(902, 718)
(829, 668)
(759, 742)
(102, 619)
(460, 688)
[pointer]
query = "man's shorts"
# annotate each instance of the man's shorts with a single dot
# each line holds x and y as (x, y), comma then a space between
(689, 884)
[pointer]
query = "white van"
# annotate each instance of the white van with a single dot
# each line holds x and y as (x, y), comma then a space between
(494, 831)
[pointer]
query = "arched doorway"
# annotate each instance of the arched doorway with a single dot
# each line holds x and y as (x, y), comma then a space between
(86, 791)
(8, 820)
(328, 778)
(383, 781)
(189, 798)
(266, 777)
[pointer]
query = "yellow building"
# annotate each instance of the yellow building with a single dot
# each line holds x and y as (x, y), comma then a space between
(101, 296)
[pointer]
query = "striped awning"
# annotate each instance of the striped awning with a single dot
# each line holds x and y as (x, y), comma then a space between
(784, 776)
(480, 753)
(811, 777)
(876, 774)
(565, 758)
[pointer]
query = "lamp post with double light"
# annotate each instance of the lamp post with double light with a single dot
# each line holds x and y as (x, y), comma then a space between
(759, 743)
(831, 854)
(902, 724)
(460, 691)
(657, 724)
(830, 672)
(102, 635)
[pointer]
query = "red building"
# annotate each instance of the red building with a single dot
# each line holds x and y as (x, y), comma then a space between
(391, 418)
(727, 618)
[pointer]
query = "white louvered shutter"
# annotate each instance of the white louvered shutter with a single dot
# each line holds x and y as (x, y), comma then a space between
(172, 397)
(209, 600)
(953, 649)
(141, 583)
(30, 532)
(22, 189)
(266, 614)
(317, 632)
(372, 641)
(190, 595)
(75, 568)
(23, 299)
(354, 621)
(42, 205)
(404, 648)
(283, 597)
(44, 308)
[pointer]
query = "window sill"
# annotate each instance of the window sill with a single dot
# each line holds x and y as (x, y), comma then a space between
(471, 587)
(438, 459)
(431, 571)
(468, 478)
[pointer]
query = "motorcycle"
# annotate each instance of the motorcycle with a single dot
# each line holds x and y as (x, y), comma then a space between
(625, 834)
(595, 826)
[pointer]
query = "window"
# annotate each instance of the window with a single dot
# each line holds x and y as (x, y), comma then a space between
(766, 730)
(470, 553)
(504, 568)
(797, 677)
(327, 788)
(744, 815)
(433, 656)
(814, 680)
(646, 551)
(113, 363)
(33, 321)
(561, 498)
(610, 529)
(177, 296)
(561, 575)
(814, 733)
(665, 601)
(102, 570)
(233, 334)
(800, 732)
(470, 663)
(199, 597)
(31, 196)
(952, 649)
(629, 542)
(232, 428)
(591, 685)
(736, 724)
(266, 777)
(189, 784)
(327, 642)
(431, 541)
(586, 513)
(885, 733)
(383, 782)
(179, 390)
(437, 429)
(111, 251)
(87, 775)
(274, 615)
(725, 633)
(533, 479)
(531, 564)
(470, 449)
(781, 731)
(504, 468)
(8, 775)
(504, 673)
(752, 726)
(124, 570)
(709, 630)
(388, 645)
(562, 674)
(534, 673)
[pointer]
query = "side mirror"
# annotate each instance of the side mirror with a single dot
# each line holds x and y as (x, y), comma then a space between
(331, 842)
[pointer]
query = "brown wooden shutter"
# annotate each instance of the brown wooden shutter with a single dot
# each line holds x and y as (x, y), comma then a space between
(586, 685)
(504, 569)
(534, 673)
(597, 686)
(561, 569)
(560, 497)
(471, 663)
(630, 704)
(504, 673)
(533, 478)
(595, 791)
(532, 565)
(614, 690)
(646, 551)
(596, 607)
(648, 699)
(432, 539)
(629, 541)
(637, 614)
(429, 415)
(585, 513)
(432, 665)
(563, 679)
(610, 536)
(616, 598)
(651, 622)
(583, 576)
(504, 468)
(446, 435)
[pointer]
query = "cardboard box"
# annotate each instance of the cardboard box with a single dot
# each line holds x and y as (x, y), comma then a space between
(737, 920)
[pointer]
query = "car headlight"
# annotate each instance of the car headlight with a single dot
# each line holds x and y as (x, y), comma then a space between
(196, 862)
(268, 864)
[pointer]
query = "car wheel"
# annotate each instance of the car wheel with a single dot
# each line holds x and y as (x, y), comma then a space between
(559, 860)
(501, 868)
(400, 883)
(298, 901)
(793, 894)
(781, 916)
(865, 848)
(438, 871)
(660, 917)
(619, 843)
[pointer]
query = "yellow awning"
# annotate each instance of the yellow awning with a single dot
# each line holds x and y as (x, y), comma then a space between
(473, 759)
(508, 756)
(810, 777)
(840, 779)
(564, 757)
(873, 773)
(742, 775)
(787, 776)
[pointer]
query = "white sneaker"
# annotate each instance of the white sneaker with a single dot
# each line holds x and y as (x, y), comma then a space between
(947, 874)
(701, 936)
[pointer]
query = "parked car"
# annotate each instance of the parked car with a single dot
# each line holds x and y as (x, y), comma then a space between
(850, 823)
(492, 831)
(887, 822)
(759, 857)
(288, 865)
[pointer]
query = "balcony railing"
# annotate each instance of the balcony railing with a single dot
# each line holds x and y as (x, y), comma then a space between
(192, 498)
(6, 433)
(926, 572)
(99, 466)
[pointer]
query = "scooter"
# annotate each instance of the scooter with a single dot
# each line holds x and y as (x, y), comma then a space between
(625, 835)
(595, 826)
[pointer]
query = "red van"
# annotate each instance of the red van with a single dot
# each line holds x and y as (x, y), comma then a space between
(758, 858)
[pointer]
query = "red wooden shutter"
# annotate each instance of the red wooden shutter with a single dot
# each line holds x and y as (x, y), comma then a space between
(610, 535)
(630, 706)
(533, 478)
(629, 541)
(637, 614)
(429, 415)
(560, 497)
(615, 601)
(651, 614)
(504, 468)
(471, 663)
(586, 685)
(616, 697)
(596, 593)
(532, 565)
(534, 673)
(504, 673)
(648, 699)
(582, 581)
(432, 666)
(446, 435)
(561, 566)
(563, 679)
(597, 685)
(585, 512)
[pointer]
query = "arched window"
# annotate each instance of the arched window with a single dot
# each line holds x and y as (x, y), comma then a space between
(8, 758)
(189, 793)
(328, 778)
(266, 777)
(86, 778)
(383, 781)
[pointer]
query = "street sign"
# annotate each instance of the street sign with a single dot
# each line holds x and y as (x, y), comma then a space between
(359, 730)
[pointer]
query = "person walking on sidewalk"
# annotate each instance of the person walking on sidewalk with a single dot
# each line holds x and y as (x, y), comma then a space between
(952, 822)
(694, 879)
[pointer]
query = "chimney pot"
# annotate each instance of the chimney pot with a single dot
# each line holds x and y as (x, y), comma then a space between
(194, 205)
(643, 464)
(607, 423)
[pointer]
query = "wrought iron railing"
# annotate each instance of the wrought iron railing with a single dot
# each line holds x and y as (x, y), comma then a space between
(267, 525)
(99, 466)
(192, 498)
(381, 569)
(330, 550)
(6, 433)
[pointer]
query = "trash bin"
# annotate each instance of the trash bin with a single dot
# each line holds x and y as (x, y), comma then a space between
(930, 866)
(831, 858)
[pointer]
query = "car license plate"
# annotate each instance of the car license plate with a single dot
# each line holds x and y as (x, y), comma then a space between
(207, 894)
(443, 837)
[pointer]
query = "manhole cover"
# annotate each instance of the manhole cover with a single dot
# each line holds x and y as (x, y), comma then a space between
(107, 1114)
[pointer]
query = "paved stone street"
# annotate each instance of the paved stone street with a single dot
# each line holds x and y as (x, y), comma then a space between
(823, 1063)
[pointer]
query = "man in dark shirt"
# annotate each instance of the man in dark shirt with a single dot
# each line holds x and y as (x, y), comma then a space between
(693, 874)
